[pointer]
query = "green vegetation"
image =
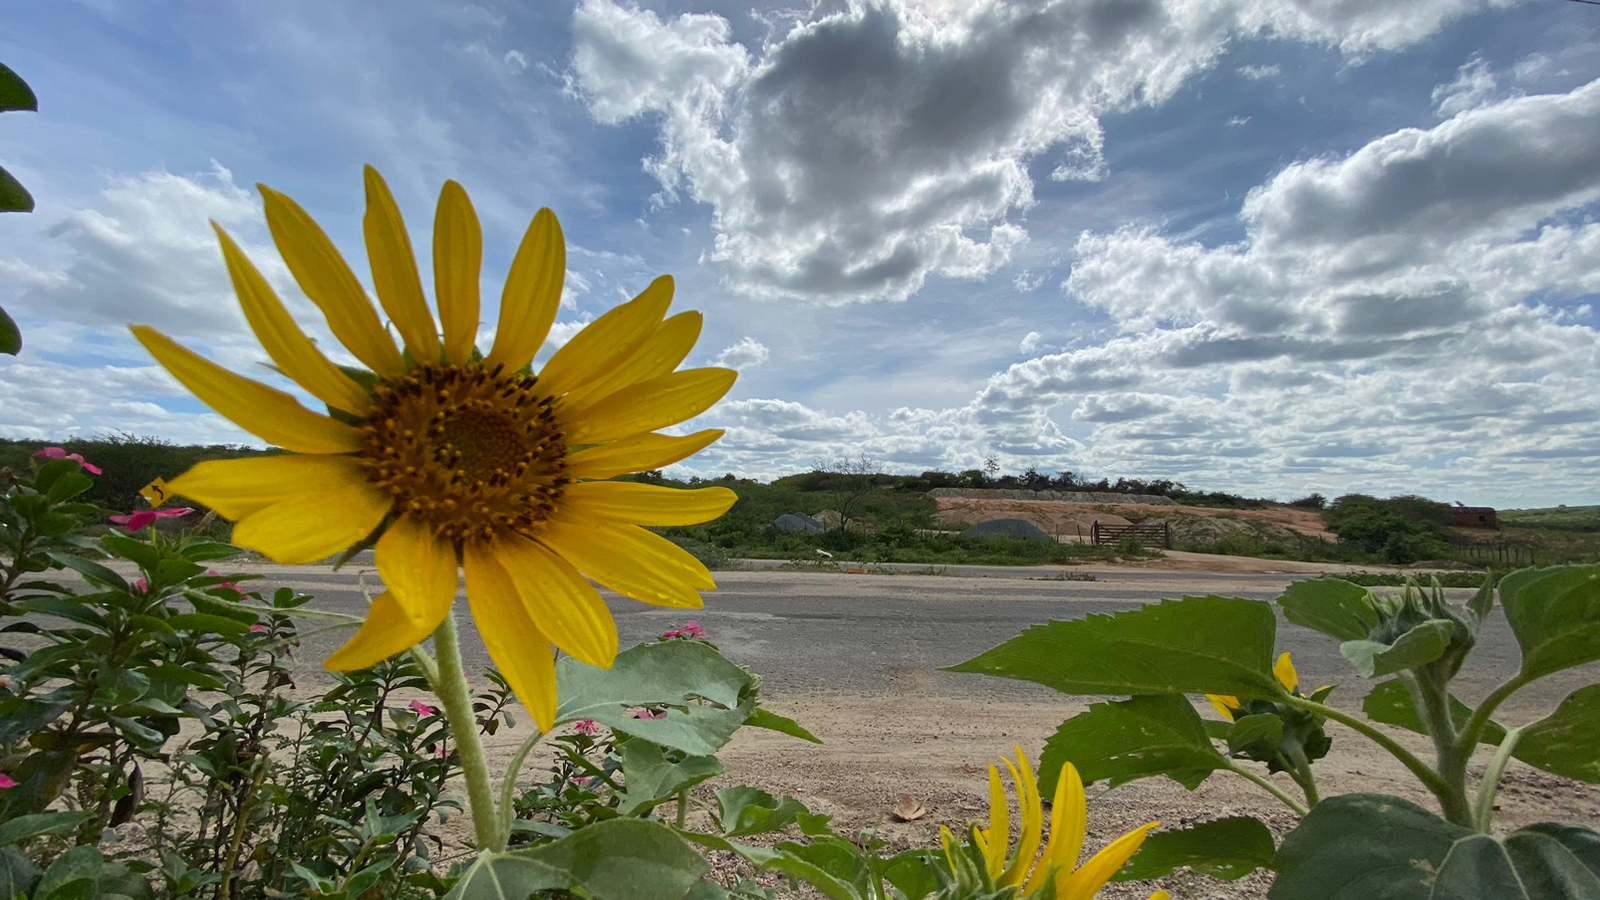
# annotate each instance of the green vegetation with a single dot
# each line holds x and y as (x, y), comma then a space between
(128, 463)
(1584, 519)
(892, 520)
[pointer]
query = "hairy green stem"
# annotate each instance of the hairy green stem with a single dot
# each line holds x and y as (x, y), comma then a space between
(1433, 701)
(508, 786)
(1270, 787)
(683, 807)
(1302, 773)
(456, 697)
(1483, 815)
(1429, 778)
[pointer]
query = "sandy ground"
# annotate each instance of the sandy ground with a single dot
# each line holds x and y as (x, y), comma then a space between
(1067, 520)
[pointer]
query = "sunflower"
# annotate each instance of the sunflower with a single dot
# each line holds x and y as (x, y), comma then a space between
(1051, 872)
(450, 460)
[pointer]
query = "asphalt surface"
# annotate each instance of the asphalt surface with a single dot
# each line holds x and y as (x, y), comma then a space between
(821, 633)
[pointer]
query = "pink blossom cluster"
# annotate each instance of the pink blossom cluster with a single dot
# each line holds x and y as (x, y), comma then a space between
(58, 453)
(693, 631)
(143, 518)
(588, 727)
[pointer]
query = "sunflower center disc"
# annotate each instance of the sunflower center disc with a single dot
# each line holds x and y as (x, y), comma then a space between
(470, 451)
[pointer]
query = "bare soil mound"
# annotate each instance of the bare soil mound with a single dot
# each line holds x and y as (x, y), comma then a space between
(1066, 519)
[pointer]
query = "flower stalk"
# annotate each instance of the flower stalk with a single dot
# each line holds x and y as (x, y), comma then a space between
(450, 684)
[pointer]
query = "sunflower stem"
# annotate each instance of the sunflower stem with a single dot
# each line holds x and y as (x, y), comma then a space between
(455, 695)
(508, 787)
(1267, 785)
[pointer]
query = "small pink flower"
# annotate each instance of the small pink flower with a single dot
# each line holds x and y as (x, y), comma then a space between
(223, 584)
(421, 709)
(257, 628)
(588, 727)
(58, 453)
(693, 631)
(141, 587)
(647, 714)
(441, 752)
(583, 779)
(6, 781)
(141, 519)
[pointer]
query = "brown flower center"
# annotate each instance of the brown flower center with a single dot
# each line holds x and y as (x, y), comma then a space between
(471, 451)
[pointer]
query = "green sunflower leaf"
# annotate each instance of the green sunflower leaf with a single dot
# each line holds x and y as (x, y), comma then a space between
(1555, 614)
(10, 335)
(618, 859)
(706, 698)
(1131, 739)
(15, 95)
(1567, 742)
(13, 196)
(1228, 849)
(1197, 645)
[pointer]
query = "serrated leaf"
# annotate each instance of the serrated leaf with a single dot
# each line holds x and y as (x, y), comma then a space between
(1566, 742)
(1555, 614)
(675, 674)
(618, 859)
(15, 95)
(745, 810)
(771, 721)
(1130, 739)
(1228, 849)
(1370, 845)
(1421, 645)
(1197, 645)
(651, 778)
(1337, 608)
(1391, 704)
(781, 861)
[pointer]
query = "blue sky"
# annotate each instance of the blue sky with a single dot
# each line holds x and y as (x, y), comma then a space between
(1268, 246)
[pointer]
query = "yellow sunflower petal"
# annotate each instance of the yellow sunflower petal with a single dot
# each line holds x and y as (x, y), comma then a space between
(631, 561)
(668, 346)
(310, 527)
(1032, 811)
(1069, 825)
(514, 642)
(1225, 704)
(948, 841)
(236, 488)
(1287, 676)
(568, 609)
(532, 293)
(457, 259)
(267, 413)
(418, 569)
(394, 271)
(651, 404)
(608, 341)
(387, 631)
(647, 504)
(1087, 881)
(282, 338)
(998, 834)
(326, 278)
(640, 453)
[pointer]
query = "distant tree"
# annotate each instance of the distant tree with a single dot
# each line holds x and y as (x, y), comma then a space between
(1313, 501)
(849, 479)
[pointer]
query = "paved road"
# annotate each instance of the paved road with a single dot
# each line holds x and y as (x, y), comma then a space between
(877, 636)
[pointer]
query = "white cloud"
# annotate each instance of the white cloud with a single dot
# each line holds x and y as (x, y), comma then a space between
(869, 148)
(1474, 86)
(1261, 73)
(516, 61)
(746, 354)
(147, 252)
(1374, 330)
(1030, 342)
(51, 401)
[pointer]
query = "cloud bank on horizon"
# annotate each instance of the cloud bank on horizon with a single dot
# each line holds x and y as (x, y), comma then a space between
(1267, 246)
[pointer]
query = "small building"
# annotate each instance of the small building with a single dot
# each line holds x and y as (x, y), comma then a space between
(1475, 517)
